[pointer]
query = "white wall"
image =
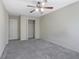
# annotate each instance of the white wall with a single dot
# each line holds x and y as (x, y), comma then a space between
(24, 27)
(62, 27)
(14, 27)
(37, 28)
(3, 28)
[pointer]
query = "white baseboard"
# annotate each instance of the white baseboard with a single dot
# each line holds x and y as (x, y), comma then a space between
(75, 50)
(2, 50)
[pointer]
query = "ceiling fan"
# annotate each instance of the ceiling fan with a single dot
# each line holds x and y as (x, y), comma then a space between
(40, 6)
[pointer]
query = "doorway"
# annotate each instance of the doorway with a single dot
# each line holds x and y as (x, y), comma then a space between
(31, 29)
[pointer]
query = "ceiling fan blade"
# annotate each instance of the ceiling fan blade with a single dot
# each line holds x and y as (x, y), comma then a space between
(48, 7)
(32, 11)
(30, 6)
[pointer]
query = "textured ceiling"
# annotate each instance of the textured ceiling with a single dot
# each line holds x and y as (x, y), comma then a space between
(19, 7)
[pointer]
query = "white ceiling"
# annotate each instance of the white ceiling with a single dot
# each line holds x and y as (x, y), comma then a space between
(19, 7)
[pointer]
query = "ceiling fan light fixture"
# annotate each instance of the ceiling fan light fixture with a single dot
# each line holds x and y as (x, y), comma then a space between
(43, 3)
(37, 9)
(42, 9)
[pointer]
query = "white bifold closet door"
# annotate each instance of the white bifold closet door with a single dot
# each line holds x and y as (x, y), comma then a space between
(31, 29)
(13, 28)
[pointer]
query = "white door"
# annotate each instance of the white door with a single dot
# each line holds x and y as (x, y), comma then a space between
(31, 29)
(13, 28)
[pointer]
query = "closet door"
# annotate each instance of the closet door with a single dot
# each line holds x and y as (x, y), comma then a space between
(13, 28)
(31, 29)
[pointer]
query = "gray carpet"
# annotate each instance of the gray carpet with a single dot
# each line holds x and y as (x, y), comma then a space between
(38, 49)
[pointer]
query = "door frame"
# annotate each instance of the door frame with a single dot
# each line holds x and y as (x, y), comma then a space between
(33, 28)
